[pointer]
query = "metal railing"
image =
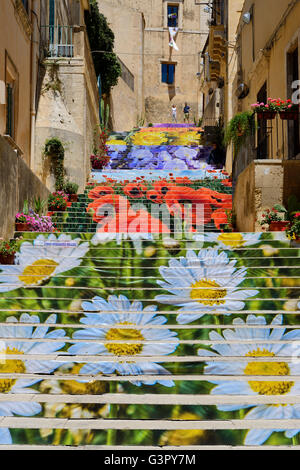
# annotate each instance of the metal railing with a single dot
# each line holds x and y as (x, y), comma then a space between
(58, 40)
(276, 138)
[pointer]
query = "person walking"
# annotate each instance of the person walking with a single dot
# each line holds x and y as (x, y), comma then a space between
(174, 113)
(186, 112)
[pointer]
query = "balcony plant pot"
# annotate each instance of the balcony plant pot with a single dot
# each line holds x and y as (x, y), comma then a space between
(289, 115)
(7, 259)
(264, 115)
(73, 197)
(278, 226)
(56, 209)
(21, 227)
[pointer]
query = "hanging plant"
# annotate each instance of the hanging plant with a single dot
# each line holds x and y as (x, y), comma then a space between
(239, 129)
(54, 149)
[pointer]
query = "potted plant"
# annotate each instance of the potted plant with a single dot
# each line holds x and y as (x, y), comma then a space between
(240, 127)
(99, 161)
(8, 250)
(293, 229)
(274, 218)
(21, 222)
(57, 201)
(71, 189)
(289, 111)
(265, 110)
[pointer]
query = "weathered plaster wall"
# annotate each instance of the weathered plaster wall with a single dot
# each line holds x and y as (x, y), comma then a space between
(70, 113)
(127, 98)
(158, 96)
(17, 184)
(259, 187)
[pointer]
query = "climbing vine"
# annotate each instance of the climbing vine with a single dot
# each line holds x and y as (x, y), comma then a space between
(101, 39)
(54, 149)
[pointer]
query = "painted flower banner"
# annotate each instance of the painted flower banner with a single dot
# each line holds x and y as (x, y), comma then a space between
(204, 318)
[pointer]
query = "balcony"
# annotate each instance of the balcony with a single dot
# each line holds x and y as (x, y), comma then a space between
(58, 41)
(217, 44)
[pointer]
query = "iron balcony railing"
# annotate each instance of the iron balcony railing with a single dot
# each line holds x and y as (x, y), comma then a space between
(274, 138)
(58, 40)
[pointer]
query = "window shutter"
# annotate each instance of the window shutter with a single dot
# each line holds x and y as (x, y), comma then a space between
(9, 110)
(171, 74)
(164, 73)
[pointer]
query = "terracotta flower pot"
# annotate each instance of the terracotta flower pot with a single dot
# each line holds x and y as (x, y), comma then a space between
(21, 227)
(56, 209)
(278, 226)
(73, 197)
(7, 259)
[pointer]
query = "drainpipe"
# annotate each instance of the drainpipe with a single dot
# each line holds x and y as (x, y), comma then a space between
(34, 71)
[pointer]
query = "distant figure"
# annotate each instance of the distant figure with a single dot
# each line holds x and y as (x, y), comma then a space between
(174, 113)
(186, 112)
(216, 156)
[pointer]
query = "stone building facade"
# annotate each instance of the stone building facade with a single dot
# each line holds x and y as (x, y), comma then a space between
(269, 68)
(162, 76)
(68, 106)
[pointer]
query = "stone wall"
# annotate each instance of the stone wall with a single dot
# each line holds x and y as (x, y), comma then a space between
(259, 187)
(69, 112)
(17, 184)
(127, 100)
(144, 52)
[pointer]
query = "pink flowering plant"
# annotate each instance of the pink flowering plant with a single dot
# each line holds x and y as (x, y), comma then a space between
(275, 105)
(39, 223)
(21, 218)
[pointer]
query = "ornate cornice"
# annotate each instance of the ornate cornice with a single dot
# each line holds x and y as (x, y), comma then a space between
(23, 17)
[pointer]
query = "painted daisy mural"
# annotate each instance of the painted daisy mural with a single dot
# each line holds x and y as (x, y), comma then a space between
(257, 341)
(38, 261)
(117, 319)
(203, 283)
(18, 344)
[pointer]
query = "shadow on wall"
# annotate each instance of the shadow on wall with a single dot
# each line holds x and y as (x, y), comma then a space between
(17, 184)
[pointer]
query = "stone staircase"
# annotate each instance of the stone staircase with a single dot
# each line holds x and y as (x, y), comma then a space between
(135, 340)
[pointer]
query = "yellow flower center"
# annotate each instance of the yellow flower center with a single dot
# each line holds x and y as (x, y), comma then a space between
(208, 292)
(234, 240)
(123, 349)
(38, 271)
(72, 387)
(10, 366)
(268, 368)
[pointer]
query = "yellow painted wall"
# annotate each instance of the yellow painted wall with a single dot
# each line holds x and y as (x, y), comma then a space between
(15, 42)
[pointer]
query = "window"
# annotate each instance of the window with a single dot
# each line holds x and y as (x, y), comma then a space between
(168, 73)
(10, 110)
(173, 16)
(11, 84)
(262, 131)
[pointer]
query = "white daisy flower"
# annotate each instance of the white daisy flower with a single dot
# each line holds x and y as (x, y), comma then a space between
(136, 238)
(257, 349)
(203, 283)
(18, 366)
(106, 322)
(37, 262)
(229, 241)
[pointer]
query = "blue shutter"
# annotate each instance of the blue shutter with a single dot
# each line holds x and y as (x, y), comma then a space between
(171, 74)
(164, 73)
